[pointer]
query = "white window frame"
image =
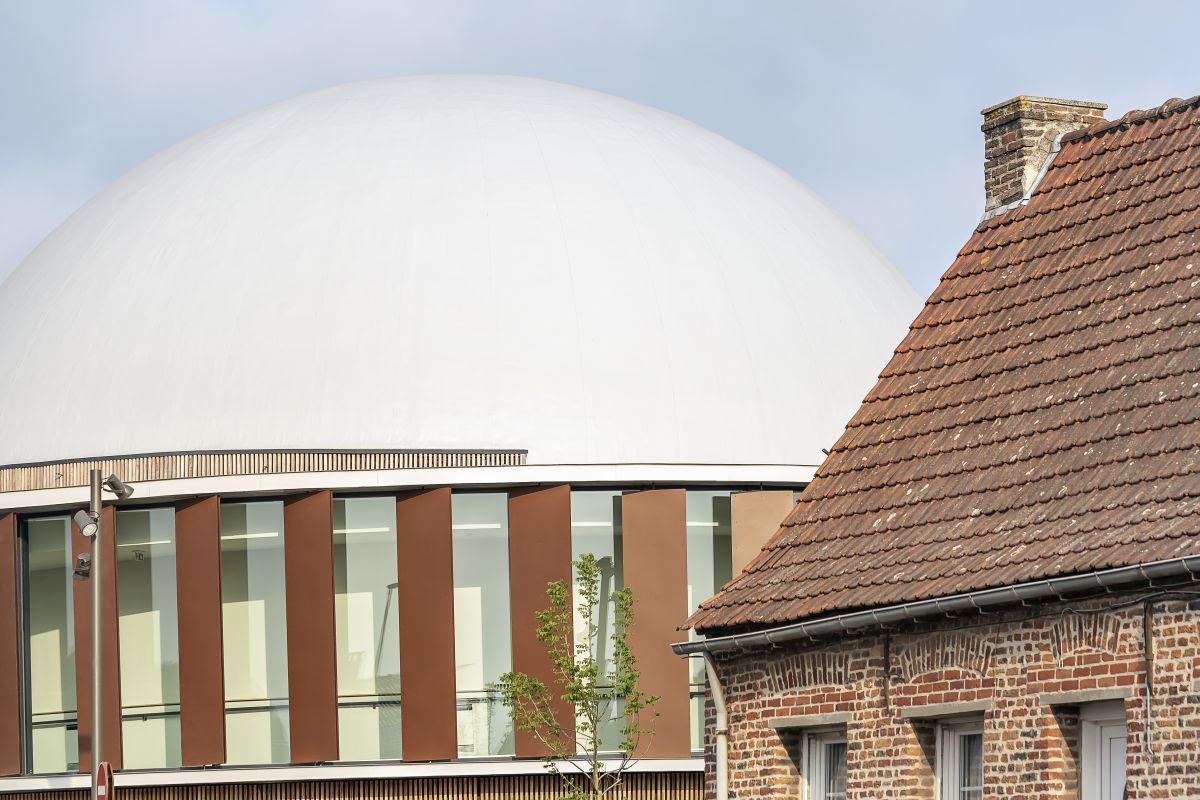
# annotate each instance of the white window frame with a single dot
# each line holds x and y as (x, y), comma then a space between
(1100, 723)
(949, 754)
(814, 744)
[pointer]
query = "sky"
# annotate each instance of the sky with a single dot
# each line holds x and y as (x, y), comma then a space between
(873, 105)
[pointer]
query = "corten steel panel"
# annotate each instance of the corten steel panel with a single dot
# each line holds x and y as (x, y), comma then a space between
(539, 551)
(110, 655)
(654, 544)
(425, 600)
(756, 518)
(10, 684)
(311, 627)
(201, 663)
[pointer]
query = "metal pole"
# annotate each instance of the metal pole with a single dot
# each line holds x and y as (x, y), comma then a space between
(97, 662)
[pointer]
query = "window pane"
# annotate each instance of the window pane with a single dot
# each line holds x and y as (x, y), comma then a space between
(709, 567)
(596, 529)
(368, 646)
(970, 769)
(482, 626)
(149, 637)
(255, 633)
(835, 771)
(50, 645)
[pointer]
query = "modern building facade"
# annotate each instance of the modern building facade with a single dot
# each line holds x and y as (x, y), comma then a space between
(379, 361)
(989, 588)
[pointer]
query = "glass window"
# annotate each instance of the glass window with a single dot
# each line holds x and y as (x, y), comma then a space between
(596, 529)
(709, 567)
(149, 637)
(368, 645)
(826, 766)
(482, 625)
(961, 764)
(50, 645)
(255, 633)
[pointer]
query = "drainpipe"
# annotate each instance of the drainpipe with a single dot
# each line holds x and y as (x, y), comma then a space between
(721, 728)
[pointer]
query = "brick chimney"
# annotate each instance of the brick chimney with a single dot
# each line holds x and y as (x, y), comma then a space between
(1018, 135)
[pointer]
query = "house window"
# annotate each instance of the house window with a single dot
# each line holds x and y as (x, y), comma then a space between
(254, 633)
(368, 647)
(149, 638)
(709, 567)
(49, 626)
(825, 768)
(482, 621)
(596, 529)
(960, 761)
(1102, 750)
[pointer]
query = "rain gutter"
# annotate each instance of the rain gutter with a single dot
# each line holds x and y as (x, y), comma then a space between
(1051, 589)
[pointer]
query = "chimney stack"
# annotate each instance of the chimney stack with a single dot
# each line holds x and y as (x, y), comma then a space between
(1018, 135)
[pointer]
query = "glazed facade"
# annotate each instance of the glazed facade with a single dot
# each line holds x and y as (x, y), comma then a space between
(355, 551)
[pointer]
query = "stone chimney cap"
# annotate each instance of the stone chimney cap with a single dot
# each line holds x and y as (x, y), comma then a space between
(1026, 102)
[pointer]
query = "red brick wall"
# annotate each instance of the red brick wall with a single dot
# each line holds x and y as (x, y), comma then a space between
(1030, 749)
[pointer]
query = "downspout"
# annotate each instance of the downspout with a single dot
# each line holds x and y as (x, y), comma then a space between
(721, 730)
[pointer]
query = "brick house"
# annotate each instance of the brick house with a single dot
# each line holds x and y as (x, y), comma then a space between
(988, 590)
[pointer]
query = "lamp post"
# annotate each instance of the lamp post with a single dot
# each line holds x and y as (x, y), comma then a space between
(91, 525)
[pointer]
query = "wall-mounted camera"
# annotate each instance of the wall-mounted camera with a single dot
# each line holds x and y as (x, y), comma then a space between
(83, 566)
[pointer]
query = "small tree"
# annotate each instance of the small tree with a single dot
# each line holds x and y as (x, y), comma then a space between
(596, 691)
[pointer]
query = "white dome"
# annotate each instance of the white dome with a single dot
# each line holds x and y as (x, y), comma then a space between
(449, 262)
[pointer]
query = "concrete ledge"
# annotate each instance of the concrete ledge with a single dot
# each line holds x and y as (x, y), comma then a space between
(945, 709)
(809, 721)
(1085, 696)
(326, 772)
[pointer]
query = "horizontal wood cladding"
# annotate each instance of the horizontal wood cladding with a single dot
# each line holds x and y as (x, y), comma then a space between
(637, 786)
(161, 467)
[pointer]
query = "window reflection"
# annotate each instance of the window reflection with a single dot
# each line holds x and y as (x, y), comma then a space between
(254, 630)
(709, 567)
(482, 621)
(596, 529)
(149, 638)
(50, 645)
(368, 647)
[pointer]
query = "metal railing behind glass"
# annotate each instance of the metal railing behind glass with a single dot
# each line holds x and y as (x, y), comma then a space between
(484, 725)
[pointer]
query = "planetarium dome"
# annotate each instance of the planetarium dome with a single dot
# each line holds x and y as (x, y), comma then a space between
(448, 262)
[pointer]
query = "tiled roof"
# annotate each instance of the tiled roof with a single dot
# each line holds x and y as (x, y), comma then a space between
(1041, 418)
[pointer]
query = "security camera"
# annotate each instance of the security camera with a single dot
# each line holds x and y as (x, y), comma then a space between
(83, 566)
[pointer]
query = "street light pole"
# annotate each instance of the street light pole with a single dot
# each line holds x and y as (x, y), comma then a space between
(97, 662)
(91, 526)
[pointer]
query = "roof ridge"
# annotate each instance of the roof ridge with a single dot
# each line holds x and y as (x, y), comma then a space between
(1133, 117)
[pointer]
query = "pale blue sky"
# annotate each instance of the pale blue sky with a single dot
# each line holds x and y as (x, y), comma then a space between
(874, 105)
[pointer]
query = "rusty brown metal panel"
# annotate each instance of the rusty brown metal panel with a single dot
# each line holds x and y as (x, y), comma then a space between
(201, 666)
(110, 654)
(756, 516)
(10, 668)
(425, 598)
(654, 543)
(311, 627)
(539, 551)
